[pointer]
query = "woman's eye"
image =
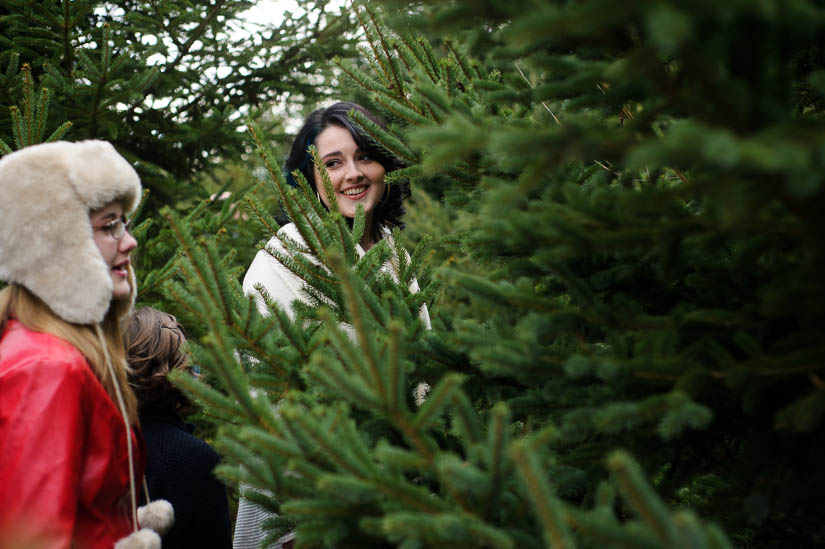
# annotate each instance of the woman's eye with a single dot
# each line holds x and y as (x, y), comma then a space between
(331, 163)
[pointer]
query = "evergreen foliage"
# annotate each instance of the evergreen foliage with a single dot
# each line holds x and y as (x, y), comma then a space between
(633, 193)
(171, 85)
(626, 348)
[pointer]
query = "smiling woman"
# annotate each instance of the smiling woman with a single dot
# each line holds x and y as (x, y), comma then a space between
(356, 177)
(356, 166)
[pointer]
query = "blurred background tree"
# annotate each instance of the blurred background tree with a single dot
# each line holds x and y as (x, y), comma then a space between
(171, 84)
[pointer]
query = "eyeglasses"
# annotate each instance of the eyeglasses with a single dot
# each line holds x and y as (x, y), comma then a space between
(116, 228)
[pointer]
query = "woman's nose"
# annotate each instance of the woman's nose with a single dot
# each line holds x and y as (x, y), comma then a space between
(353, 171)
(127, 243)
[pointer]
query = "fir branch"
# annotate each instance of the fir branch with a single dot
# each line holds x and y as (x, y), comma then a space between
(390, 59)
(208, 294)
(547, 508)
(401, 458)
(361, 79)
(396, 382)
(325, 448)
(438, 399)
(384, 138)
(326, 183)
(28, 106)
(297, 204)
(497, 441)
(414, 46)
(602, 528)
(367, 344)
(404, 55)
(273, 442)
(403, 174)
(467, 418)
(351, 356)
(641, 496)
(384, 62)
(402, 111)
(18, 133)
(448, 70)
(259, 212)
(460, 59)
(431, 58)
(41, 114)
(207, 397)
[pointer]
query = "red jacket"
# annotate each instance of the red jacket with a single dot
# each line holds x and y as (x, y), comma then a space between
(64, 470)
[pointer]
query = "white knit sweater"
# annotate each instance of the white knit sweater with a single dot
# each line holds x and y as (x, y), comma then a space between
(284, 287)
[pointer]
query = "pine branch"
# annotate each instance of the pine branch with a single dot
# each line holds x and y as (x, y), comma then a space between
(545, 505)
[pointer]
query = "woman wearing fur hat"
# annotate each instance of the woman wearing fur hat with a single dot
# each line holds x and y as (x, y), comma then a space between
(71, 457)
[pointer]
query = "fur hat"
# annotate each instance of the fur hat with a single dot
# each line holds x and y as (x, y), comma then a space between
(47, 192)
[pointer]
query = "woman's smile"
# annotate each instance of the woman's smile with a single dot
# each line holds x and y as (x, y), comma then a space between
(355, 176)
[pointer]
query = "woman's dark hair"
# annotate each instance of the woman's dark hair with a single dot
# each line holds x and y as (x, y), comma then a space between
(154, 347)
(390, 209)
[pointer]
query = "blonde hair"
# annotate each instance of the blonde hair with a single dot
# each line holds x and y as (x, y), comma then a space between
(19, 303)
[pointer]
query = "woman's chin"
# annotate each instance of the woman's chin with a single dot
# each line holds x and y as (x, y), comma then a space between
(121, 293)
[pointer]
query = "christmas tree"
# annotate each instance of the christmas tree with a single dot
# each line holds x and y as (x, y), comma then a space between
(629, 348)
(615, 233)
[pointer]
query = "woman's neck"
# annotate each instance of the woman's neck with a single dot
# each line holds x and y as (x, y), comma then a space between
(367, 239)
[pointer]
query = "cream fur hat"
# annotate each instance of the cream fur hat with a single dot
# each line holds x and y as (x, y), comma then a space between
(47, 192)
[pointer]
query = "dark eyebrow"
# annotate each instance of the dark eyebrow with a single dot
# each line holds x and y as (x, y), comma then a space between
(339, 153)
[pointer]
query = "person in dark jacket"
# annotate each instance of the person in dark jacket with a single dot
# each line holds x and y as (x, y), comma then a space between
(180, 467)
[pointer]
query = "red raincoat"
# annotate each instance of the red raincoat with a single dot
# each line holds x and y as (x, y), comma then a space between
(64, 470)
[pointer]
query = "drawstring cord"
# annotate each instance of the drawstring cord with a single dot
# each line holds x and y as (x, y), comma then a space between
(146, 489)
(122, 404)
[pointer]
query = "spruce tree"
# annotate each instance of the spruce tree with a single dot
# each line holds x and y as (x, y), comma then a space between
(635, 193)
(625, 278)
(631, 266)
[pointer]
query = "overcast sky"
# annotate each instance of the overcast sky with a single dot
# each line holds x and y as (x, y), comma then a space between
(270, 10)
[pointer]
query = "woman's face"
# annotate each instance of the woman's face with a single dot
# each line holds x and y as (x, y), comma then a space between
(356, 177)
(115, 251)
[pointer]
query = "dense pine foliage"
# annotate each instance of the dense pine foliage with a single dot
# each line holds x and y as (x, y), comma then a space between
(172, 84)
(615, 230)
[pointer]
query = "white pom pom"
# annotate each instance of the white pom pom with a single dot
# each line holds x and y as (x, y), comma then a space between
(157, 515)
(142, 539)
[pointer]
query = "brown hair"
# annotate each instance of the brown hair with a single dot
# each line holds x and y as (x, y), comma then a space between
(154, 347)
(18, 302)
